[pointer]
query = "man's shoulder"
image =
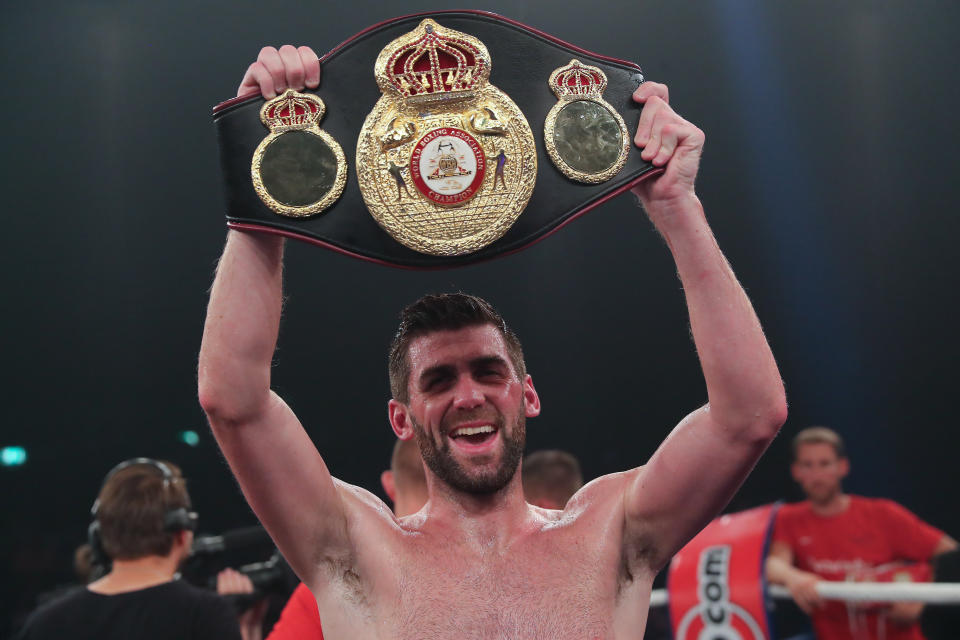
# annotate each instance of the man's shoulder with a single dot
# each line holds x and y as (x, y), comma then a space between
(82, 613)
(358, 499)
(793, 510)
(60, 606)
(602, 489)
(876, 506)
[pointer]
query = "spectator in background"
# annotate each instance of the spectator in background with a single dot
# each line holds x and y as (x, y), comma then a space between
(836, 536)
(144, 525)
(550, 478)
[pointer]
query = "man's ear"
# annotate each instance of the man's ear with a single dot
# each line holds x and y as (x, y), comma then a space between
(184, 539)
(399, 416)
(795, 472)
(386, 479)
(531, 400)
(844, 467)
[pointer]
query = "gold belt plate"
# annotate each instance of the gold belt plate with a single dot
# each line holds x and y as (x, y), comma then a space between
(446, 161)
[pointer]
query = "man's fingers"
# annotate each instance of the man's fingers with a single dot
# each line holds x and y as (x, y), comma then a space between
(277, 70)
(249, 82)
(257, 78)
(659, 124)
(648, 90)
(668, 144)
(292, 67)
(811, 597)
(311, 66)
(651, 108)
(270, 58)
(231, 581)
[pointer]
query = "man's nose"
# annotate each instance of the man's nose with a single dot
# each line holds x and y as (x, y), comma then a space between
(467, 395)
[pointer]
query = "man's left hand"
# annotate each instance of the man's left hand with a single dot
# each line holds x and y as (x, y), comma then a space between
(670, 142)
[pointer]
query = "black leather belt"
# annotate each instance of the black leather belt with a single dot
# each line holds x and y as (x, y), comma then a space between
(522, 61)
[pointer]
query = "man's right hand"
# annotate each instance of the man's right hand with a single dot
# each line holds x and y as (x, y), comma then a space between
(803, 588)
(277, 70)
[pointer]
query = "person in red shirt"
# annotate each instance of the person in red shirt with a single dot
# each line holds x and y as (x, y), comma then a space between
(837, 536)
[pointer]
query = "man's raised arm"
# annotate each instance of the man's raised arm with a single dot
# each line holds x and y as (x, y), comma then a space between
(703, 462)
(279, 469)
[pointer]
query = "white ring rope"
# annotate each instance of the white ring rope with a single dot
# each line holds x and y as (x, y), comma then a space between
(931, 593)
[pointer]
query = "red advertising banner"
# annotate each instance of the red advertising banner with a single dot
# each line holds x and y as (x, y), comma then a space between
(716, 582)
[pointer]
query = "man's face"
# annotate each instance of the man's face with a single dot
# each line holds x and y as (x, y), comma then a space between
(468, 408)
(819, 470)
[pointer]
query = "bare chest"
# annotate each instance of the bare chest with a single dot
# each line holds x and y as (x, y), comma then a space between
(550, 587)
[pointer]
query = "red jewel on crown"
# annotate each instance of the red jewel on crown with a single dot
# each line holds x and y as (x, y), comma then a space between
(578, 80)
(292, 110)
(436, 63)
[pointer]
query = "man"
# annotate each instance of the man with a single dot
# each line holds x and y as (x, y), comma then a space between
(397, 173)
(836, 536)
(478, 561)
(550, 478)
(143, 525)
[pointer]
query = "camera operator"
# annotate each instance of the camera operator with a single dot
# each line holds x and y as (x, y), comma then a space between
(143, 524)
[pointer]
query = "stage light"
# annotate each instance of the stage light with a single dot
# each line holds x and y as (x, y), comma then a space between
(189, 437)
(13, 456)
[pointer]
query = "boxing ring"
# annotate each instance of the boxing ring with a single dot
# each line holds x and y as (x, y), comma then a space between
(717, 587)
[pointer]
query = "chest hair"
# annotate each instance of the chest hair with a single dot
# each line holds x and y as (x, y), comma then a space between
(549, 589)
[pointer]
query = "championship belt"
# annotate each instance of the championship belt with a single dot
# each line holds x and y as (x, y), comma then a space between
(475, 136)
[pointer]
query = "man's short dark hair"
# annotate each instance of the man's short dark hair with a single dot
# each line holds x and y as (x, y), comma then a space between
(444, 312)
(133, 504)
(551, 474)
(819, 435)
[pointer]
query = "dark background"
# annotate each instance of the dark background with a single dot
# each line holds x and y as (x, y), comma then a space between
(829, 179)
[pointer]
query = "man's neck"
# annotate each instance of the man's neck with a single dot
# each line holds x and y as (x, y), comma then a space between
(491, 521)
(132, 575)
(834, 505)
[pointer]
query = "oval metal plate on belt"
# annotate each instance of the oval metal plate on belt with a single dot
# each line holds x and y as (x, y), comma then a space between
(441, 120)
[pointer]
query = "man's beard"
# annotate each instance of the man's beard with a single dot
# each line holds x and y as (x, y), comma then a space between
(450, 471)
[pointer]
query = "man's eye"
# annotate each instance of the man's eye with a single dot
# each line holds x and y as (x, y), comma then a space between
(437, 383)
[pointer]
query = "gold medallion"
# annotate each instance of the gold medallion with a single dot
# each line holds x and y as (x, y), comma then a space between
(298, 170)
(585, 136)
(446, 161)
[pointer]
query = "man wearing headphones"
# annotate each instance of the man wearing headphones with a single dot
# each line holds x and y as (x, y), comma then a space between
(144, 525)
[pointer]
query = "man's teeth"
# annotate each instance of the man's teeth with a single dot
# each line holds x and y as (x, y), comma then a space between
(469, 431)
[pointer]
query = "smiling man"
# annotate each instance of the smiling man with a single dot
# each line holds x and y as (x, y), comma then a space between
(478, 562)
(472, 442)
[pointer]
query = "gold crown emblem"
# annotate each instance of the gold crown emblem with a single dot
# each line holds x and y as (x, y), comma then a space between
(578, 80)
(433, 63)
(292, 110)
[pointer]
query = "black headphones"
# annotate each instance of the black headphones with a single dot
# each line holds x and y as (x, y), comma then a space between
(179, 519)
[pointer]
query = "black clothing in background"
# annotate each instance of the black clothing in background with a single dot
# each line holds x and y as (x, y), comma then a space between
(170, 611)
(942, 621)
